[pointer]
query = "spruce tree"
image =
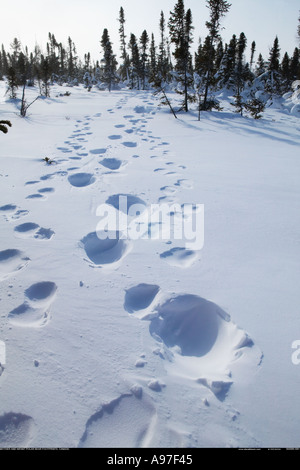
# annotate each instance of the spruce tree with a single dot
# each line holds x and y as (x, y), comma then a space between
(110, 64)
(218, 9)
(1, 67)
(144, 40)
(4, 61)
(273, 64)
(228, 65)
(153, 67)
(273, 82)
(295, 65)
(285, 73)
(124, 70)
(45, 76)
(12, 83)
(260, 66)
(239, 74)
(180, 27)
(16, 48)
(162, 61)
(253, 48)
(135, 64)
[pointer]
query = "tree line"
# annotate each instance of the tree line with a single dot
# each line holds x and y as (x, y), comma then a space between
(168, 64)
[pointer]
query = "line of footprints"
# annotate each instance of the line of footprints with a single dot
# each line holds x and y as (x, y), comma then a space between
(184, 325)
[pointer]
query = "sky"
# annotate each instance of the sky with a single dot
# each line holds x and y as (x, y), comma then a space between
(31, 20)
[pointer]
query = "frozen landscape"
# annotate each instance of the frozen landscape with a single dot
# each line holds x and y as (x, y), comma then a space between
(146, 342)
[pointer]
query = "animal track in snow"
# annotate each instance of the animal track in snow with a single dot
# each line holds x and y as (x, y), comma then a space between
(64, 149)
(52, 175)
(32, 230)
(16, 430)
(180, 257)
(140, 297)
(111, 163)
(8, 209)
(80, 180)
(35, 311)
(31, 182)
(184, 183)
(169, 190)
(11, 262)
(129, 144)
(104, 251)
(99, 151)
(115, 137)
(129, 420)
(123, 203)
(46, 190)
(203, 340)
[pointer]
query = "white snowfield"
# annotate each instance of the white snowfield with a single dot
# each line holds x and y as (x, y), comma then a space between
(144, 342)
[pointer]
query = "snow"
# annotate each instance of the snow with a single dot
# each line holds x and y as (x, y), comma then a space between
(145, 342)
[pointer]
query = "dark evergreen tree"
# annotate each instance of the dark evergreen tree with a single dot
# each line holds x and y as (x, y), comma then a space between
(12, 83)
(124, 69)
(4, 61)
(273, 64)
(226, 72)
(72, 59)
(218, 9)
(260, 66)
(180, 27)
(162, 61)
(253, 48)
(144, 40)
(295, 65)
(298, 29)
(53, 57)
(239, 74)
(255, 106)
(135, 64)
(16, 49)
(45, 76)
(273, 78)
(285, 73)
(153, 67)
(110, 64)
(219, 54)
(1, 67)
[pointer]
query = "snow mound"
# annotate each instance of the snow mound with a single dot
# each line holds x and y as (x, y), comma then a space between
(203, 341)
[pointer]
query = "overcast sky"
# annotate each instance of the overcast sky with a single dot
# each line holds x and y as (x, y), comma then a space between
(31, 21)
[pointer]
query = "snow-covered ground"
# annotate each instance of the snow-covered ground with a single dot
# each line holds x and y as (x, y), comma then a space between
(144, 342)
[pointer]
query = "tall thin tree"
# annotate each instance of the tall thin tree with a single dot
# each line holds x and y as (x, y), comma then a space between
(218, 9)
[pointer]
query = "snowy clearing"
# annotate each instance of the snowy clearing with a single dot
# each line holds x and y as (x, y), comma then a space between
(144, 342)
